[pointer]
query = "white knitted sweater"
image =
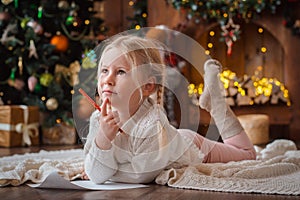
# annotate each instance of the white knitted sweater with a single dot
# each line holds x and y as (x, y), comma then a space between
(150, 145)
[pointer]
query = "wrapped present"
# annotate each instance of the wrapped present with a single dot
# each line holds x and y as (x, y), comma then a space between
(59, 134)
(256, 127)
(19, 125)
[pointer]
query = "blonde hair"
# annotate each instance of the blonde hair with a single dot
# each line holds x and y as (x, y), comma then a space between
(140, 52)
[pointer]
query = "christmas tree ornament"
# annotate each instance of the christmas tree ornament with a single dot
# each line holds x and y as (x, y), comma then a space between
(32, 81)
(63, 4)
(89, 60)
(8, 37)
(69, 73)
(17, 83)
(51, 104)
(37, 28)
(40, 12)
(24, 22)
(20, 65)
(6, 2)
(32, 50)
(37, 87)
(60, 42)
(230, 33)
(45, 79)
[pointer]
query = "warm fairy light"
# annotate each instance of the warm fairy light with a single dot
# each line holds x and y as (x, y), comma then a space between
(210, 45)
(72, 92)
(267, 87)
(130, 3)
(263, 49)
(195, 90)
(211, 33)
(43, 98)
(86, 22)
(225, 15)
(144, 15)
(58, 121)
(207, 52)
(200, 88)
(191, 88)
(75, 23)
(137, 27)
(260, 30)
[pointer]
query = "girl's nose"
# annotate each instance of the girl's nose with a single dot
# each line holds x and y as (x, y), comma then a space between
(109, 79)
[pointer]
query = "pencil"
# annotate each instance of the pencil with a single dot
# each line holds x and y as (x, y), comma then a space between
(89, 99)
(93, 103)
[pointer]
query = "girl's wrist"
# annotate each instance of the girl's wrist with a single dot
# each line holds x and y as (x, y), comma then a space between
(103, 142)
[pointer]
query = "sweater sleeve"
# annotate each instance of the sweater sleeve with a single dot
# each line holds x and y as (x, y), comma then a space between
(100, 165)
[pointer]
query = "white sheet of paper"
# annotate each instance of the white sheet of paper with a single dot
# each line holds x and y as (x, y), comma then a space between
(55, 181)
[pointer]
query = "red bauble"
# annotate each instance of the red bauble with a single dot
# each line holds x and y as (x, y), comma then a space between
(60, 42)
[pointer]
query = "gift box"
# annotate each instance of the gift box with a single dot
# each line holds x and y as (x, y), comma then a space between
(256, 127)
(19, 125)
(59, 134)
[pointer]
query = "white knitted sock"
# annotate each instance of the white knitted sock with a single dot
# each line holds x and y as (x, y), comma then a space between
(213, 100)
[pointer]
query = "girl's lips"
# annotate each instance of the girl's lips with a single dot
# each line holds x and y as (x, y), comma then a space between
(108, 92)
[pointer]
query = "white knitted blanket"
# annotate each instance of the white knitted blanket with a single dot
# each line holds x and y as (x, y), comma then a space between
(17, 169)
(276, 171)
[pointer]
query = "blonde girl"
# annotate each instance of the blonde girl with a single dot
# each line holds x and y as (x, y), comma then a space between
(131, 139)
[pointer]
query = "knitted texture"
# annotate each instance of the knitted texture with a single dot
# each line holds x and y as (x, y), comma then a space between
(276, 171)
(276, 174)
(16, 170)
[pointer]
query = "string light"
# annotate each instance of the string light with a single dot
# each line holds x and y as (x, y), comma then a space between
(87, 22)
(263, 49)
(262, 86)
(130, 3)
(144, 15)
(137, 27)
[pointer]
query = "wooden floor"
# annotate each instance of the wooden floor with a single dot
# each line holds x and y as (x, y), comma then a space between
(155, 192)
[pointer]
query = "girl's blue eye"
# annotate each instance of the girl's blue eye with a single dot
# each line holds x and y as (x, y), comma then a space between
(104, 71)
(121, 72)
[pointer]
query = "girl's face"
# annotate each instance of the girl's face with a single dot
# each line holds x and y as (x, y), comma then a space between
(117, 83)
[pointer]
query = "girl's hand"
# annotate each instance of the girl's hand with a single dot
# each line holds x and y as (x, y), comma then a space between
(84, 176)
(109, 127)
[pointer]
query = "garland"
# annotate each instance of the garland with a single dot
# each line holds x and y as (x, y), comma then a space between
(220, 9)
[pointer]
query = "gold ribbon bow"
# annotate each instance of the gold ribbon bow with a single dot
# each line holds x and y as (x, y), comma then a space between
(28, 130)
(70, 73)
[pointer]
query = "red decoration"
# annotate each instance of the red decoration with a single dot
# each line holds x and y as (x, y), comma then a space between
(230, 33)
(60, 42)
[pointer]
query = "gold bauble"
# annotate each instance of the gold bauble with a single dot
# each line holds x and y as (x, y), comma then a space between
(52, 104)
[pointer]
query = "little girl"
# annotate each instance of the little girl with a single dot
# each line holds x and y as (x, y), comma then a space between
(131, 139)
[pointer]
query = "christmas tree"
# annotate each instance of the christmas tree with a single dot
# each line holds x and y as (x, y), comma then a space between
(42, 45)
